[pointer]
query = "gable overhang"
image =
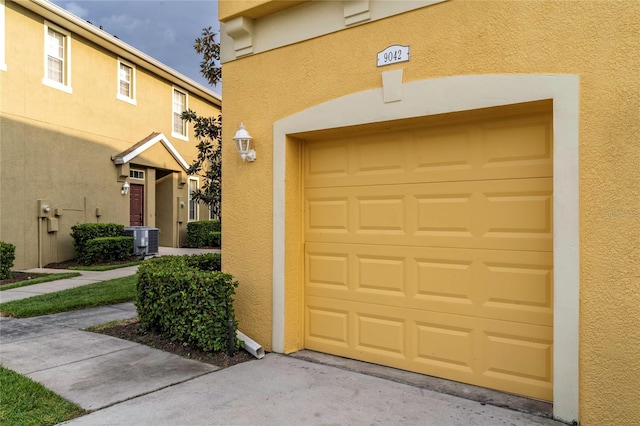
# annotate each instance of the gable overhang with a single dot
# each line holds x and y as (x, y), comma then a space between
(145, 144)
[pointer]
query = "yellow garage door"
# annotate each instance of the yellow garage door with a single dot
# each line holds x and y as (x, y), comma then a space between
(430, 249)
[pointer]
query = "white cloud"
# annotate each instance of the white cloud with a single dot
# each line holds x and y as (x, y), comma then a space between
(169, 35)
(125, 23)
(76, 9)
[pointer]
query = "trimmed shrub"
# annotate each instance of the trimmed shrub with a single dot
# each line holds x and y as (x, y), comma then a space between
(204, 262)
(7, 256)
(106, 249)
(85, 232)
(199, 233)
(215, 239)
(187, 298)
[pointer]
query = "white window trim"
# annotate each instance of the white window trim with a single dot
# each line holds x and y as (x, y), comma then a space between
(186, 107)
(67, 59)
(132, 99)
(461, 93)
(3, 63)
(196, 216)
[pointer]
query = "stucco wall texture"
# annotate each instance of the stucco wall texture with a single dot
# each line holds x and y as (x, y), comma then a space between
(596, 40)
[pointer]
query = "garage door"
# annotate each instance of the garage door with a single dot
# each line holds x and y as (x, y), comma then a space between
(429, 248)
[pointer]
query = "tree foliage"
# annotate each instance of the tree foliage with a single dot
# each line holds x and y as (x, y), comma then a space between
(208, 164)
(209, 48)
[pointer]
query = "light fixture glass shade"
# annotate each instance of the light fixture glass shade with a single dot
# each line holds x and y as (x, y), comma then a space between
(125, 188)
(243, 140)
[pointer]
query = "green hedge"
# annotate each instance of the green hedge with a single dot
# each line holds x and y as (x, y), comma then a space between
(187, 298)
(215, 239)
(85, 232)
(203, 233)
(106, 249)
(7, 256)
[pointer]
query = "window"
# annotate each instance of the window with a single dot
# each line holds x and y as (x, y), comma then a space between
(179, 129)
(193, 204)
(3, 64)
(136, 174)
(57, 58)
(126, 82)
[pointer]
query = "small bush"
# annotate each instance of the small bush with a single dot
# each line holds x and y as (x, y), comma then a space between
(215, 239)
(85, 232)
(187, 298)
(199, 233)
(7, 256)
(106, 249)
(204, 262)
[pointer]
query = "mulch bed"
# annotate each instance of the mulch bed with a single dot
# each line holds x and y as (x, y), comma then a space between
(17, 276)
(130, 330)
(72, 262)
(20, 276)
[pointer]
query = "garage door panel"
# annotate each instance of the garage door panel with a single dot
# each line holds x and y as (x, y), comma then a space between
(329, 160)
(328, 215)
(505, 285)
(380, 334)
(517, 142)
(513, 214)
(519, 147)
(327, 270)
(483, 352)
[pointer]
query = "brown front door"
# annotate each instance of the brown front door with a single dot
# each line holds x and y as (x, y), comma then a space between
(136, 206)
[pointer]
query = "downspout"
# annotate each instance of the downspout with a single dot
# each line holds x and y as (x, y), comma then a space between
(250, 345)
(39, 242)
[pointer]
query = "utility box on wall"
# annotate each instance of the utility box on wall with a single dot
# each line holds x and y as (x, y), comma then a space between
(52, 224)
(182, 210)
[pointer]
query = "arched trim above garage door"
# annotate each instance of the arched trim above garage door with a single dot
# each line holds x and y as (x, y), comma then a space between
(451, 94)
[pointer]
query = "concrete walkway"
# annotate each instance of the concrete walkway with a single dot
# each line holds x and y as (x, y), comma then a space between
(124, 383)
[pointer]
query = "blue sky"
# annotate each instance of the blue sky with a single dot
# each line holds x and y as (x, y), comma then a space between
(164, 30)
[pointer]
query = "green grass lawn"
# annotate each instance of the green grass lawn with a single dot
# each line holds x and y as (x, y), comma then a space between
(25, 402)
(51, 277)
(99, 294)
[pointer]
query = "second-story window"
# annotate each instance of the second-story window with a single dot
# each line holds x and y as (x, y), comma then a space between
(179, 129)
(57, 58)
(126, 82)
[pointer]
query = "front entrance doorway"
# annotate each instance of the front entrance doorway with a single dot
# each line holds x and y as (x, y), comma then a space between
(136, 205)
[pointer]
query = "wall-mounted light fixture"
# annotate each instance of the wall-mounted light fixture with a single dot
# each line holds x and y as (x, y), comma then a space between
(125, 188)
(243, 144)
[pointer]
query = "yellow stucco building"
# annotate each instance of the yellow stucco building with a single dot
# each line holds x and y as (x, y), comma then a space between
(90, 131)
(449, 187)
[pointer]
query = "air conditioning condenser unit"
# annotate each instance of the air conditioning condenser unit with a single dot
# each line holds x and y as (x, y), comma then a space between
(145, 239)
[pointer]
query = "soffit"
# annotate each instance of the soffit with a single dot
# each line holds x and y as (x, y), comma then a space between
(146, 151)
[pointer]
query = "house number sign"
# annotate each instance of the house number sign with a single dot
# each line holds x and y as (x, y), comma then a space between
(393, 54)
